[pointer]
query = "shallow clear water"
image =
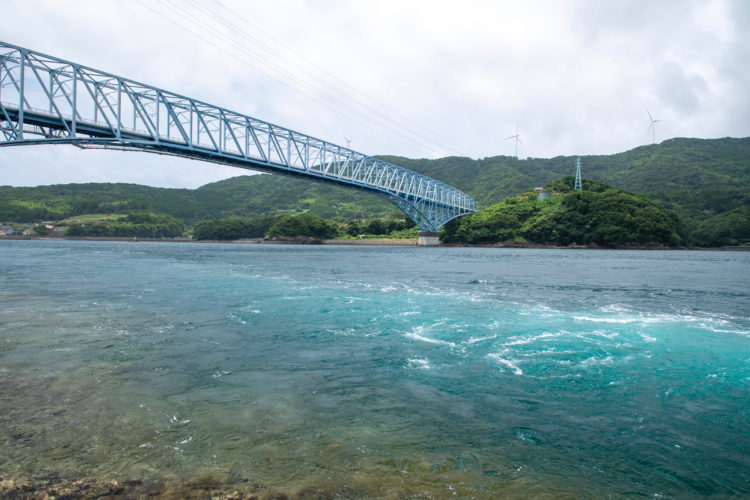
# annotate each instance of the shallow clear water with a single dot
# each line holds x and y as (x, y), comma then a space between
(383, 372)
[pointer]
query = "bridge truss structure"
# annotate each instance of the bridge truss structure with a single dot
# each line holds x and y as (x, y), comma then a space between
(46, 100)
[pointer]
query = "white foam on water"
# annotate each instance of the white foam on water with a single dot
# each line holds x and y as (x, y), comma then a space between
(671, 318)
(607, 320)
(615, 308)
(719, 323)
(532, 338)
(601, 333)
(163, 328)
(553, 352)
(626, 316)
(345, 331)
(745, 333)
(494, 325)
(417, 332)
(420, 363)
(474, 340)
(180, 422)
(510, 363)
(594, 361)
(538, 306)
(237, 319)
(647, 338)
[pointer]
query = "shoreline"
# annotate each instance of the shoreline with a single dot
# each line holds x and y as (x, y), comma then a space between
(369, 242)
(209, 484)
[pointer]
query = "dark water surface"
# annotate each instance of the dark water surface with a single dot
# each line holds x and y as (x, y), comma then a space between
(378, 372)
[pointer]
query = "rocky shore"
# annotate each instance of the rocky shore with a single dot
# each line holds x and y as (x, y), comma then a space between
(215, 487)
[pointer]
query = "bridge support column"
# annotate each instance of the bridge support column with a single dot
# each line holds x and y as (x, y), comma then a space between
(428, 239)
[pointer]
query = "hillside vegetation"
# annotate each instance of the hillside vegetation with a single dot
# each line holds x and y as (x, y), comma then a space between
(141, 224)
(694, 174)
(243, 196)
(599, 215)
(706, 182)
(395, 226)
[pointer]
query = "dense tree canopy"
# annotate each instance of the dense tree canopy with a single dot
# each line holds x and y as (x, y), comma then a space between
(233, 228)
(729, 228)
(599, 215)
(306, 225)
(394, 223)
(141, 224)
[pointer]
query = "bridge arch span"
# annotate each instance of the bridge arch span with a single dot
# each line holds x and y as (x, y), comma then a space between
(47, 100)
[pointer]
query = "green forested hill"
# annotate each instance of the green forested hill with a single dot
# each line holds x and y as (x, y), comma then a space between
(693, 175)
(246, 196)
(599, 215)
(705, 181)
(262, 195)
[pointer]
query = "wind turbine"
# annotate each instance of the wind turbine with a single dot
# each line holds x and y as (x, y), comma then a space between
(517, 138)
(348, 142)
(652, 127)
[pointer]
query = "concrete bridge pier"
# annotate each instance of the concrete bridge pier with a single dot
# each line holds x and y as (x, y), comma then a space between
(428, 239)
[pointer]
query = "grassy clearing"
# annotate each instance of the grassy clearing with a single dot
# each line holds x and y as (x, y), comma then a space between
(83, 218)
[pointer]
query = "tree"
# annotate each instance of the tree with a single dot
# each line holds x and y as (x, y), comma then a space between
(306, 225)
(233, 228)
(42, 230)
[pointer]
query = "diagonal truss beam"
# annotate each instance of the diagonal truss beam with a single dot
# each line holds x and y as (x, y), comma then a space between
(47, 100)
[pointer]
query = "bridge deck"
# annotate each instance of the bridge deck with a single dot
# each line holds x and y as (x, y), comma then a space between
(46, 100)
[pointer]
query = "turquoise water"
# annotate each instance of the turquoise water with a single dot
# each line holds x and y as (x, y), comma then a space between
(378, 372)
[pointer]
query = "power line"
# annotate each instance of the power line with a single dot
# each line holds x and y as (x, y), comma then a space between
(337, 79)
(332, 93)
(202, 26)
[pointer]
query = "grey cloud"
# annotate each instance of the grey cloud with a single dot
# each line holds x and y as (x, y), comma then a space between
(577, 76)
(681, 92)
(613, 18)
(735, 69)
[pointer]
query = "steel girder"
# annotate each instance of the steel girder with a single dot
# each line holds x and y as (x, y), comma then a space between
(46, 100)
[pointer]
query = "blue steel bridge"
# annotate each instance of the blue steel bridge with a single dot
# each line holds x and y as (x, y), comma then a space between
(47, 100)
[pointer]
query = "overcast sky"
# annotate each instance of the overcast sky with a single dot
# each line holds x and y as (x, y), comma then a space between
(413, 78)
